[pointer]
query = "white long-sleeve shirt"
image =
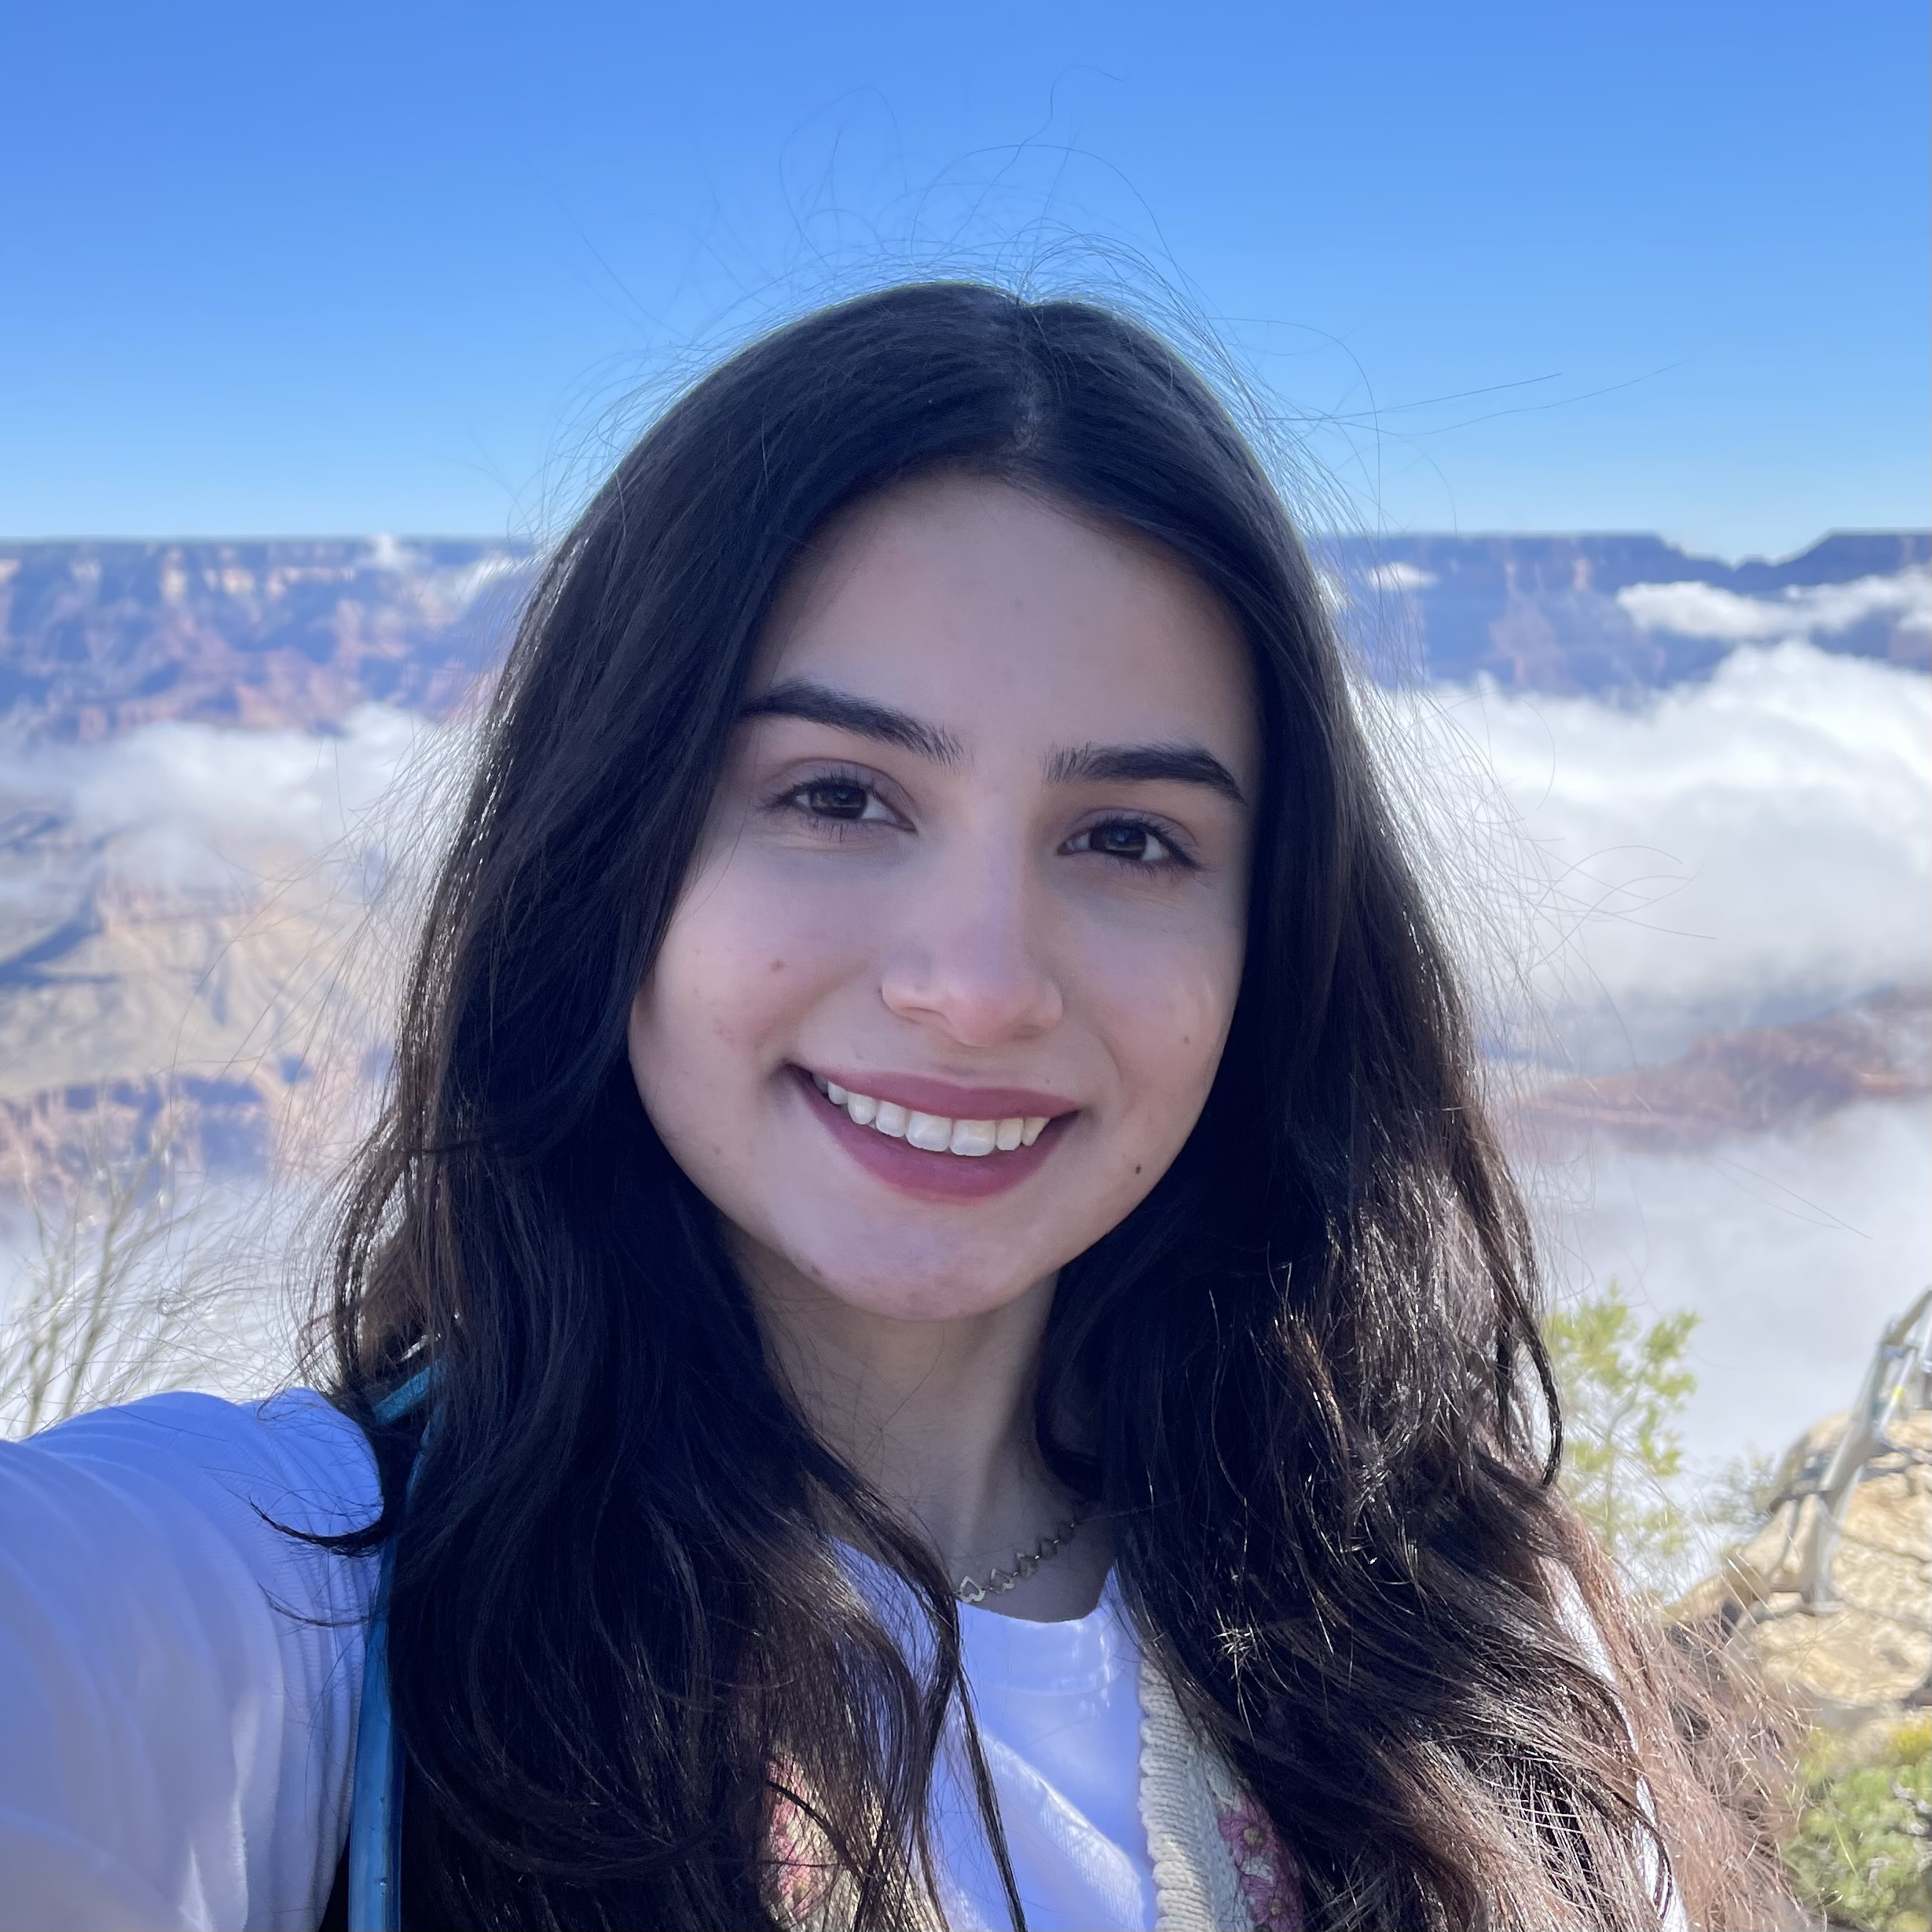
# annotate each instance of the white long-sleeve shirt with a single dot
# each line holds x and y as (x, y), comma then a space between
(179, 1677)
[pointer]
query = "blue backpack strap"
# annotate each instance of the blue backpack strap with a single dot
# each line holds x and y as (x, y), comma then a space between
(376, 1786)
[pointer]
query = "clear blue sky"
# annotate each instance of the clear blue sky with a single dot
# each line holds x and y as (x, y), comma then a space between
(272, 269)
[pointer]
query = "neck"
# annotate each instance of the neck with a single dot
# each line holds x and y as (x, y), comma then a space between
(936, 1416)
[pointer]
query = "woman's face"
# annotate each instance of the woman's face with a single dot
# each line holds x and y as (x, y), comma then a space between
(948, 982)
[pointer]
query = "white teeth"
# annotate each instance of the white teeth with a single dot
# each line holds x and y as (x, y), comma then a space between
(934, 1133)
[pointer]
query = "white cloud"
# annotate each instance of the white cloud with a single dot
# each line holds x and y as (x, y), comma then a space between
(388, 552)
(1693, 610)
(1749, 849)
(194, 806)
(447, 594)
(1745, 849)
(1401, 577)
(1794, 1250)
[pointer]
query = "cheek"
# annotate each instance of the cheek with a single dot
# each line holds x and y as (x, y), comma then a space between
(739, 965)
(1165, 1012)
(688, 1012)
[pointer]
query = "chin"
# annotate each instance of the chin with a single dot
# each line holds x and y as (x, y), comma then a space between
(946, 1304)
(900, 1297)
(922, 1286)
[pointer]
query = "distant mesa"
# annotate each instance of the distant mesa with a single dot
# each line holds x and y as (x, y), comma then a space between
(1607, 612)
(98, 637)
(1754, 1080)
(232, 1026)
(238, 1026)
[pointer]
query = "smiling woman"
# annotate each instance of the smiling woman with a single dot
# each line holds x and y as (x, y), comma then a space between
(933, 1332)
(978, 855)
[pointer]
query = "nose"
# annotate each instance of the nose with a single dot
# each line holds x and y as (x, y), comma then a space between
(967, 958)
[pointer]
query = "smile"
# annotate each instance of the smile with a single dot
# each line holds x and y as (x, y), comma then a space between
(934, 1133)
(993, 1141)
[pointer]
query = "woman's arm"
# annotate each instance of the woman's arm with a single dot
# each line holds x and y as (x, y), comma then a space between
(178, 1675)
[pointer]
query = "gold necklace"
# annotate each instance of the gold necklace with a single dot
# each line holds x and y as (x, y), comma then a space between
(1024, 1562)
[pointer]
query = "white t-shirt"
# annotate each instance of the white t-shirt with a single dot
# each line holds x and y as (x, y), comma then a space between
(178, 1682)
(1058, 1710)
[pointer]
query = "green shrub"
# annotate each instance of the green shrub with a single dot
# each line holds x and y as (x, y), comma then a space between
(1624, 1383)
(1862, 1855)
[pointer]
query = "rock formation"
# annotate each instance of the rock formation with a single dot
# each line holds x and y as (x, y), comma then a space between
(1749, 1080)
(1831, 1599)
(97, 637)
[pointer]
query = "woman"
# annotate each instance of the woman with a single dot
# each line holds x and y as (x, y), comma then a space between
(933, 1330)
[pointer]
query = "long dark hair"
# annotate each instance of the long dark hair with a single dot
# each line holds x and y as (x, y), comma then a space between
(1303, 1378)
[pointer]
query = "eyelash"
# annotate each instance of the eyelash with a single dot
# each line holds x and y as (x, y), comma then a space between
(792, 800)
(1177, 859)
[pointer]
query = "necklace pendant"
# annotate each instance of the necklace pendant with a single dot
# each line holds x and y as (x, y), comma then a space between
(1024, 1562)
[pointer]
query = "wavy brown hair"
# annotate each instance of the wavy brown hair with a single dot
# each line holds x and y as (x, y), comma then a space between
(1303, 1378)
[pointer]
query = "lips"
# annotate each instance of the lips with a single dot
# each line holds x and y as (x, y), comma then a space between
(918, 1093)
(934, 1139)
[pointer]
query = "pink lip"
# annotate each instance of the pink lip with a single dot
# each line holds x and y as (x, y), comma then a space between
(938, 1177)
(956, 1103)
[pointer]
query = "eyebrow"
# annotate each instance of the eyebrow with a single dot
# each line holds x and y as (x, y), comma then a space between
(820, 704)
(1143, 764)
(1138, 764)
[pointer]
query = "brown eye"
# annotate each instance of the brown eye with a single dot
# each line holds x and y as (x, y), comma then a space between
(835, 798)
(1120, 842)
(1132, 842)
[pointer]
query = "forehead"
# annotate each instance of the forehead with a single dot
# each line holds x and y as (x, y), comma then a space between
(1010, 620)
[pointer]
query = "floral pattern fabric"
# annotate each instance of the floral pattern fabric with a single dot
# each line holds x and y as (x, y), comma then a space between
(1269, 1881)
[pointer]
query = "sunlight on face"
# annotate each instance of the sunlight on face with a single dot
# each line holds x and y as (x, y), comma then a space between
(949, 983)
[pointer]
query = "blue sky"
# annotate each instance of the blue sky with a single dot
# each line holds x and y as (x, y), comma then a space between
(280, 269)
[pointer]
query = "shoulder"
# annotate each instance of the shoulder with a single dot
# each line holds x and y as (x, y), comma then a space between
(178, 1662)
(293, 1457)
(213, 1496)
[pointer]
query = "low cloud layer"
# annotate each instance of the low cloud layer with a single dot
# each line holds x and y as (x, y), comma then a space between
(1694, 610)
(1752, 849)
(1795, 1250)
(190, 807)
